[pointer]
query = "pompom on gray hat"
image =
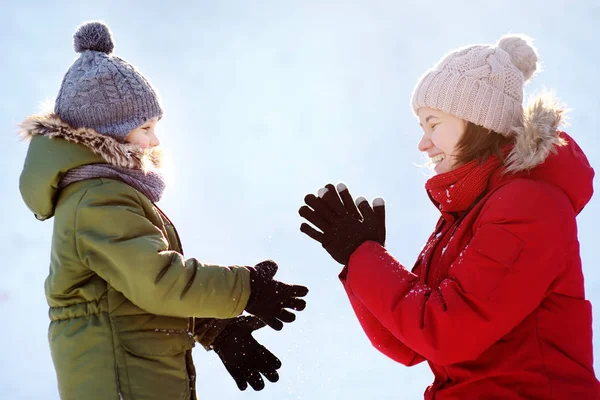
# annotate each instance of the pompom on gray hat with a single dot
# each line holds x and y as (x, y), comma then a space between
(102, 91)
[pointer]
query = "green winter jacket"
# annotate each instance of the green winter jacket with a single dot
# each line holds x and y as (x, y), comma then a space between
(122, 297)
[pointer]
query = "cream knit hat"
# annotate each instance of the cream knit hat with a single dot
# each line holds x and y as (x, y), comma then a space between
(482, 84)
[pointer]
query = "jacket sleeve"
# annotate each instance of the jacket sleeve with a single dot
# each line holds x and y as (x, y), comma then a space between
(380, 337)
(206, 330)
(517, 251)
(118, 242)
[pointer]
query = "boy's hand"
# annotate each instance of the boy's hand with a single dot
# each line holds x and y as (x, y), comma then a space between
(244, 358)
(269, 298)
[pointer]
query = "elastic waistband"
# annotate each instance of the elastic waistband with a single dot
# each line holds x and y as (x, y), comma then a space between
(78, 310)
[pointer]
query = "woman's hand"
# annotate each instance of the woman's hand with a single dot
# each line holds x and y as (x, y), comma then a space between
(344, 224)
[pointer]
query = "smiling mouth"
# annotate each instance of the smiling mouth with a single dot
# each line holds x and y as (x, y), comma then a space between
(436, 159)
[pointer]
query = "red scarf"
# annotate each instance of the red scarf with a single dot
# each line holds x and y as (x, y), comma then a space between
(456, 190)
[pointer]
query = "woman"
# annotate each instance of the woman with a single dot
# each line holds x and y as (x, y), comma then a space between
(495, 302)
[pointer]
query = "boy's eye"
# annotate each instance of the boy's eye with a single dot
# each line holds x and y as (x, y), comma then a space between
(434, 125)
(147, 128)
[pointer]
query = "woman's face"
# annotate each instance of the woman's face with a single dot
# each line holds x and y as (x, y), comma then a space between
(441, 134)
(144, 135)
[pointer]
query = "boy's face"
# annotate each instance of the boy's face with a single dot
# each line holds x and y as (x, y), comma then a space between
(144, 135)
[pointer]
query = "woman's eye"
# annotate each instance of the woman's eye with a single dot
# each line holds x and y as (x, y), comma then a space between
(146, 128)
(433, 126)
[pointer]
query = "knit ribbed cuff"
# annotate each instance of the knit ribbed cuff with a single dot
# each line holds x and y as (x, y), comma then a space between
(116, 119)
(469, 99)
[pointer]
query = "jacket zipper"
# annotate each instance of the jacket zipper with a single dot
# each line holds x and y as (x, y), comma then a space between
(192, 320)
(437, 238)
(172, 226)
(453, 225)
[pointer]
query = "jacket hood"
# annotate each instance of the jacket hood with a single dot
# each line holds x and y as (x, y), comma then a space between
(543, 152)
(569, 169)
(55, 148)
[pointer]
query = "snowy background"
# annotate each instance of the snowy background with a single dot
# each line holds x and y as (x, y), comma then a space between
(266, 101)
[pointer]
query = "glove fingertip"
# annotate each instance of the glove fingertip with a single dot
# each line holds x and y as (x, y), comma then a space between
(309, 197)
(341, 187)
(277, 325)
(304, 227)
(301, 291)
(267, 264)
(286, 316)
(301, 306)
(378, 202)
(303, 210)
(359, 200)
(268, 268)
(272, 376)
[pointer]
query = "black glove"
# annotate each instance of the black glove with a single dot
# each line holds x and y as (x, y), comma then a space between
(244, 358)
(270, 298)
(344, 226)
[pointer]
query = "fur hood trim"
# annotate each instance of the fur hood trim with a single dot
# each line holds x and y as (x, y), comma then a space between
(124, 155)
(539, 136)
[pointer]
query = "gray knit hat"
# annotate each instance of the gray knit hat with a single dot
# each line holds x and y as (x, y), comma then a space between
(102, 91)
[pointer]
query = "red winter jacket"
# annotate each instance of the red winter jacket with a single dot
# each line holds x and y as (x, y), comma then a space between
(495, 303)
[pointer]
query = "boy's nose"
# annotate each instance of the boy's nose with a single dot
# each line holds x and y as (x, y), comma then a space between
(154, 141)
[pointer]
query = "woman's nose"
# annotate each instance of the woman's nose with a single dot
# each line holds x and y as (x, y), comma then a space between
(424, 143)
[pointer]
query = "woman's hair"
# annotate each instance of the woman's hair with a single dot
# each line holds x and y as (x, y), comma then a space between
(479, 143)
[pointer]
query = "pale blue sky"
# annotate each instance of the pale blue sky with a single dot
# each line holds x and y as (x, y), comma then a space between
(266, 101)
